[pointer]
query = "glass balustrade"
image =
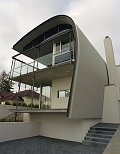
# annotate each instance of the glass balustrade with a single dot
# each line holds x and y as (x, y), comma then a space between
(48, 60)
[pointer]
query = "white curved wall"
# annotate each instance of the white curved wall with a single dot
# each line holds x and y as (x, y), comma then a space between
(90, 78)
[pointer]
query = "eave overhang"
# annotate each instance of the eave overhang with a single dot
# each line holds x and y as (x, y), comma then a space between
(40, 29)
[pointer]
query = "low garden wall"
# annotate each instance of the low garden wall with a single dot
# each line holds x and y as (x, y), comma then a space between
(18, 130)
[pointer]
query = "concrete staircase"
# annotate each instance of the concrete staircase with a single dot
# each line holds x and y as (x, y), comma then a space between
(100, 134)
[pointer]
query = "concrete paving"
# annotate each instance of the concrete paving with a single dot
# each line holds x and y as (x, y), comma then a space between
(44, 145)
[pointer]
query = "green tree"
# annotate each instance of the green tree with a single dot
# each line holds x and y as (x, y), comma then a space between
(5, 83)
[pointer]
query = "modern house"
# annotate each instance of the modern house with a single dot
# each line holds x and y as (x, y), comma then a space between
(70, 73)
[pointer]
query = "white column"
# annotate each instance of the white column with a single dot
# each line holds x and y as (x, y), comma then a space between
(110, 61)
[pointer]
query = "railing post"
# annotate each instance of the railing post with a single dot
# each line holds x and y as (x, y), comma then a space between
(13, 67)
(70, 48)
(40, 97)
(32, 92)
(38, 55)
(19, 85)
(33, 85)
(10, 77)
(27, 69)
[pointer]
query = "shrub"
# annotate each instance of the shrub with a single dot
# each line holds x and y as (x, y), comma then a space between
(36, 106)
(44, 106)
(3, 120)
(24, 104)
(7, 103)
(48, 106)
(14, 103)
(19, 104)
(29, 105)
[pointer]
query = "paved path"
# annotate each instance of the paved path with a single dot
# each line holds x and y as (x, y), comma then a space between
(44, 145)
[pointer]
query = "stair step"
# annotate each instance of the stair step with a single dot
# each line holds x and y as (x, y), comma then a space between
(94, 143)
(110, 125)
(101, 132)
(103, 128)
(99, 139)
(99, 135)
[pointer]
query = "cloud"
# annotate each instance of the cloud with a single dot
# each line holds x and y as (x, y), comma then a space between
(95, 18)
(98, 19)
(18, 17)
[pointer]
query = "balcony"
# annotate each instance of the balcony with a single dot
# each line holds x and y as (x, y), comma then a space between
(40, 73)
(52, 59)
(20, 68)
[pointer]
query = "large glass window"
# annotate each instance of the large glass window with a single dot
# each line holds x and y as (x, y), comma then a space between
(46, 95)
(65, 45)
(63, 93)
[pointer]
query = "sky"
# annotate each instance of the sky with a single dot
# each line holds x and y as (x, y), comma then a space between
(96, 18)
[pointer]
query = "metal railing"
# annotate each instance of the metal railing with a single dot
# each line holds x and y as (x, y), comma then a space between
(40, 63)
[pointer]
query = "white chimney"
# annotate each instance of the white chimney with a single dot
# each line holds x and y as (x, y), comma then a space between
(112, 71)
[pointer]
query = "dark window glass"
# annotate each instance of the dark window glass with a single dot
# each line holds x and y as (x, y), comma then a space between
(51, 32)
(64, 26)
(46, 35)
(39, 39)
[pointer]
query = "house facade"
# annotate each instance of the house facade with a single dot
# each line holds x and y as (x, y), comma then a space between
(68, 71)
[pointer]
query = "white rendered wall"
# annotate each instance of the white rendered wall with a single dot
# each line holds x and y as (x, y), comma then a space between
(61, 127)
(26, 117)
(118, 74)
(4, 110)
(60, 84)
(18, 130)
(27, 100)
(112, 71)
(111, 107)
(89, 80)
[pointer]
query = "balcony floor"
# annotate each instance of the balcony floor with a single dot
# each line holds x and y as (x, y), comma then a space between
(47, 74)
(39, 110)
(44, 145)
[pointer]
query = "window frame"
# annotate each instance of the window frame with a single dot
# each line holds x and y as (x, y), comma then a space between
(67, 93)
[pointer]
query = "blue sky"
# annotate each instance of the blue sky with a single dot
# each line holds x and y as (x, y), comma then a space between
(96, 18)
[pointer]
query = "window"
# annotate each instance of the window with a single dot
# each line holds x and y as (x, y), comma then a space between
(65, 45)
(58, 47)
(63, 93)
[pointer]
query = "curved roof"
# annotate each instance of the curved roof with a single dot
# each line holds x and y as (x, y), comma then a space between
(40, 29)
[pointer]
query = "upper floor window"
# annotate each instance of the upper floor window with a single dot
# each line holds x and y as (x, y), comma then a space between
(63, 46)
(58, 47)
